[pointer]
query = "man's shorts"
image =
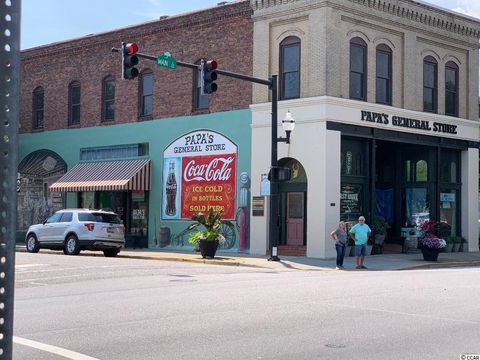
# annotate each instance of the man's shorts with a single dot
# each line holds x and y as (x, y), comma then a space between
(361, 250)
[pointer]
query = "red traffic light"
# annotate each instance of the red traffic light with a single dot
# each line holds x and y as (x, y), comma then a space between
(211, 65)
(131, 49)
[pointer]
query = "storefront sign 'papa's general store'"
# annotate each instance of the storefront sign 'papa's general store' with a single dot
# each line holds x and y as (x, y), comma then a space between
(199, 173)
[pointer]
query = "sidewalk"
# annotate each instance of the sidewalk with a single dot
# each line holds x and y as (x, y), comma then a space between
(373, 262)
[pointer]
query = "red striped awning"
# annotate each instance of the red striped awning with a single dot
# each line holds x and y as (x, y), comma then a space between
(106, 176)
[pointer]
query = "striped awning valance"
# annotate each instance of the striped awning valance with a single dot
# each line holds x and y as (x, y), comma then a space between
(106, 176)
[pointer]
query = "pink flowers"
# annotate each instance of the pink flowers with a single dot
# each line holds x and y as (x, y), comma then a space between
(429, 226)
(433, 242)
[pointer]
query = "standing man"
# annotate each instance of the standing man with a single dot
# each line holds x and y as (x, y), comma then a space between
(360, 233)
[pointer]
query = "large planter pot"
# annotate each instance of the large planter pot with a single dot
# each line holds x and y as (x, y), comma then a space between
(379, 239)
(430, 254)
(208, 248)
(449, 248)
(456, 247)
(411, 244)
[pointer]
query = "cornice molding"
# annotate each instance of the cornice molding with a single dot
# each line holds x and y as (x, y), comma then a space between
(421, 13)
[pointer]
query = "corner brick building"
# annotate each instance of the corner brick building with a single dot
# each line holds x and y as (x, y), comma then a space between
(77, 112)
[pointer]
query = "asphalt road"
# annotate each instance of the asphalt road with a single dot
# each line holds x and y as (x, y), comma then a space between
(87, 308)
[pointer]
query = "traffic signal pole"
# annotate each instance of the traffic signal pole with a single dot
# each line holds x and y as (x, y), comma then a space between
(274, 196)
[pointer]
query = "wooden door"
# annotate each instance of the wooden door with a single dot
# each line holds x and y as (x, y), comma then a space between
(295, 217)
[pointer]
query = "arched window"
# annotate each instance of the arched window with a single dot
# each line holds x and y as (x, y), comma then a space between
(200, 100)
(290, 68)
(108, 95)
(451, 89)
(38, 108)
(358, 69)
(421, 170)
(74, 103)
(146, 93)
(383, 88)
(430, 84)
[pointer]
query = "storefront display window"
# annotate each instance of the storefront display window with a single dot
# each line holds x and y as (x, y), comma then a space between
(139, 214)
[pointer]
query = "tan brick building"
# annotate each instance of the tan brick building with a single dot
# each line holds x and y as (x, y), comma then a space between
(385, 95)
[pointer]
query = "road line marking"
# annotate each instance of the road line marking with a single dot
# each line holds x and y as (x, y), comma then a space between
(52, 349)
(21, 266)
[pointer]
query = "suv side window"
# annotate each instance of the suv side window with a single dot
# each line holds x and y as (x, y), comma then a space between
(54, 218)
(85, 217)
(66, 217)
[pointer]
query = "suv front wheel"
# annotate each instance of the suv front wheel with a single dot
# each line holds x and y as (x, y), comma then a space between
(72, 246)
(32, 244)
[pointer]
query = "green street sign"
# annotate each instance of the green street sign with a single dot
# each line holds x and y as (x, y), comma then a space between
(166, 60)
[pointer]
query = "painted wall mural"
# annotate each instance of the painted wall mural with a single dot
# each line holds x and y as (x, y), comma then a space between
(199, 173)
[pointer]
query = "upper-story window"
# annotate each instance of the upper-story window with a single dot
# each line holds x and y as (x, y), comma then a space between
(451, 89)
(358, 69)
(38, 108)
(384, 75)
(290, 68)
(200, 100)
(146, 93)
(430, 84)
(108, 103)
(74, 103)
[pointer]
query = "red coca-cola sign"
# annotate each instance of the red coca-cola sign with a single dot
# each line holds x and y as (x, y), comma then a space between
(208, 182)
(199, 173)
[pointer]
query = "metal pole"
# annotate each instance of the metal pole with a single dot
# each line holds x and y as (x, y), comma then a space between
(9, 103)
(274, 215)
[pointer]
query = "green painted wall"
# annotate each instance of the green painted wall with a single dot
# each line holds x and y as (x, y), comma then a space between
(158, 134)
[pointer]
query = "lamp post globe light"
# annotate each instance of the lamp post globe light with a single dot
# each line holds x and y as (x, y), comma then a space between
(288, 125)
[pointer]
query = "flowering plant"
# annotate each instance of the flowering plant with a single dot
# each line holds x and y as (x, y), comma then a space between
(433, 242)
(212, 224)
(429, 226)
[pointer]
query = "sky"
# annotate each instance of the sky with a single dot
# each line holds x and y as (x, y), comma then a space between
(48, 21)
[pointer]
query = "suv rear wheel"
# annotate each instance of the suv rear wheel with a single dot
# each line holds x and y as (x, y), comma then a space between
(72, 246)
(111, 252)
(32, 244)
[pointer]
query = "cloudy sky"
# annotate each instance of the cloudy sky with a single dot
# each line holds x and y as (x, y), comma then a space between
(47, 21)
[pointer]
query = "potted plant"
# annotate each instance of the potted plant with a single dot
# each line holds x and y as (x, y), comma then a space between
(464, 245)
(431, 246)
(449, 240)
(379, 227)
(457, 243)
(208, 239)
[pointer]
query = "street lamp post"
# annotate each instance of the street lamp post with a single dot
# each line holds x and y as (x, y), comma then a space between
(288, 125)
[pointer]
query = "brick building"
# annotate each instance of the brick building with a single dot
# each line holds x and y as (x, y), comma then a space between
(384, 95)
(76, 110)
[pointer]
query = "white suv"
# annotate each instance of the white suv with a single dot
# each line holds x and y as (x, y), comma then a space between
(78, 229)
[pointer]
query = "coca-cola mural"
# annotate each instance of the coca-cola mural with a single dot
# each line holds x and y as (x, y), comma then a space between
(199, 173)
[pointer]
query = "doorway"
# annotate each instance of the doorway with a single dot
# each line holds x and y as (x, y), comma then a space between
(295, 218)
(293, 205)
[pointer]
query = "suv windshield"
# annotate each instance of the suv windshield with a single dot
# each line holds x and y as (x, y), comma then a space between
(99, 217)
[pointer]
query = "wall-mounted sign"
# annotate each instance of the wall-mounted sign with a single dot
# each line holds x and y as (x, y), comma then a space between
(350, 202)
(384, 119)
(447, 197)
(199, 173)
(258, 206)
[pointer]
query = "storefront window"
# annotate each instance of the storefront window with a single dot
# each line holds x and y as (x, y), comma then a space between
(417, 206)
(139, 214)
(448, 209)
(87, 200)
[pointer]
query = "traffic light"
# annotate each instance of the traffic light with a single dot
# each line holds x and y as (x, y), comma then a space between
(129, 61)
(209, 75)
